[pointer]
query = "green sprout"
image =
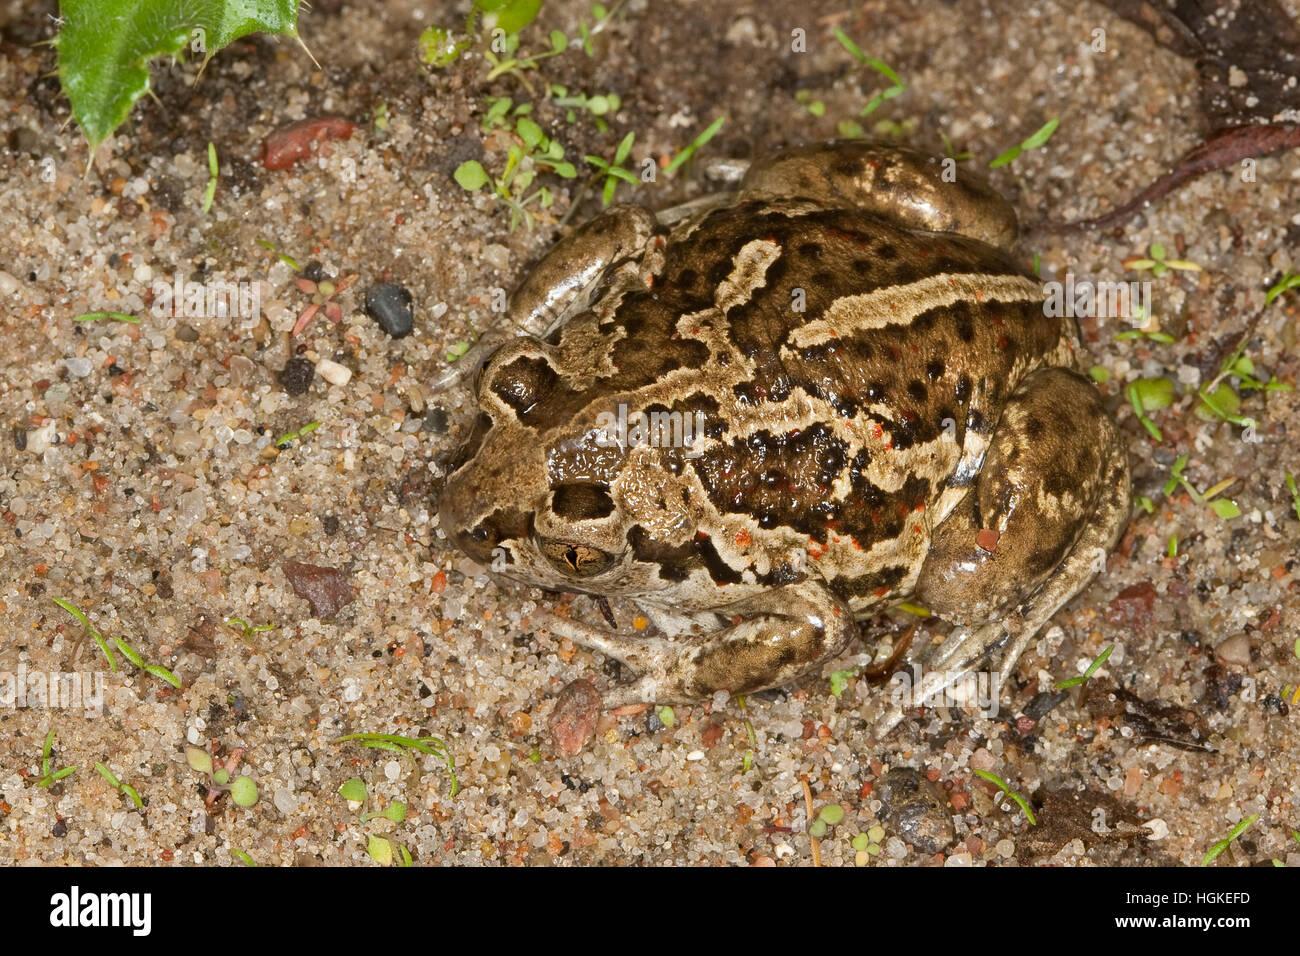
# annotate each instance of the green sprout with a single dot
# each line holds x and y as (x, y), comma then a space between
(748, 762)
(1083, 678)
(1289, 281)
(1150, 394)
(354, 790)
(456, 351)
(213, 172)
(689, 150)
(614, 171)
(1155, 261)
(90, 629)
(896, 85)
(1295, 495)
(1039, 138)
(1145, 503)
(1225, 508)
(47, 778)
(1141, 318)
(1005, 788)
(914, 609)
(244, 789)
(1099, 374)
(287, 260)
(1220, 400)
(602, 17)
(1222, 845)
(829, 816)
(870, 841)
(243, 857)
(515, 65)
(379, 849)
(815, 107)
(115, 316)
(284, 440)
(1172, 550)
(666, 715)
(439, 48)
(599, 106)
(426, 745)
(535, 150)
(118, 785)
(950, 151)
(248, 629)
(840, 680)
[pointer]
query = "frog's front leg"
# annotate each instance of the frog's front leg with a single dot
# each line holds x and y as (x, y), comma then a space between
(1051, 500)
(772, 639)
(584, 264)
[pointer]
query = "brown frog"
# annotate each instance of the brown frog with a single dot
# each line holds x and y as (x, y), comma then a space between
(819, 395)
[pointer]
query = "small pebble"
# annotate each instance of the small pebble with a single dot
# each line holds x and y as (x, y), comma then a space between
(297, 375)
(435, 420)
(1235, 650)
(187, 333)
(78, 367)
(286, 801)
(8, 284)
(389, 304)
(333, 372)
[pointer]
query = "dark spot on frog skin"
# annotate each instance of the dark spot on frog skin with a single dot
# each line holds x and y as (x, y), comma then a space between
(887, 251)
(523, 383)
(675, 561)
(810, 250)
(917, 390)
(934, 369)
(962, 389)
(963, 321)
(581, 501)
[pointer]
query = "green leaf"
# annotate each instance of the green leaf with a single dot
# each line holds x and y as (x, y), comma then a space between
(354, 790)
(199, 760)
(831, 814)
(380, 850)
(471, 175)
(1225, 508)
(624, 147)
(438, 48)
(105, 46)
(243, 791)
(510, 15)
(529, 132)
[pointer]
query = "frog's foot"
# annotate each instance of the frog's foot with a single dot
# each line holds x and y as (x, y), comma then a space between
(1051, 500)
(901, 184)
(776, 637)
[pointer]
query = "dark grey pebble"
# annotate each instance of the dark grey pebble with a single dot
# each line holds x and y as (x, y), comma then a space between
(187, 333)
(297, 375)
(916, 809)
(435, 420)
(389, 304)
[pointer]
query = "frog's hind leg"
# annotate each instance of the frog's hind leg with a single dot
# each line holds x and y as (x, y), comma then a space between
(894, 182)
(1051, 500)
(775, 638)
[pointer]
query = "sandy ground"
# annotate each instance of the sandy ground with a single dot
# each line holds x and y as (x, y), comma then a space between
(140, 479)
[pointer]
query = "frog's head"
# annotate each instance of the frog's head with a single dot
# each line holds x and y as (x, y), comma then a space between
(539, 492)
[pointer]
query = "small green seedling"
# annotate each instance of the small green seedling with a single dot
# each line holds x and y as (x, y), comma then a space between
(1295, 494)
(243, 857)
(47, 778)
(243, 791)
(1222, 845)
(896, 85)
(284, 440)
(439, 48)
(1092, 669)
(601, 17)
(114, 316)
(1148, 395)
(1099, 374)
(1038, 139)
(1155, 261)
(614, 171)
(840, 680)
(456, 351)
(1145, 503)
(213, 172)
(951, 152)
(690, 149)
(426, 745)
(1289, 281)
(748, 761)
(286, 259)
(118, 785)
(1225, 508)
(870, 841)
(534, 150)
(815, 107)
(90, 629)
(666, 715)
(248, 629)
(1006, 788)
(828, 817)
(599, 105)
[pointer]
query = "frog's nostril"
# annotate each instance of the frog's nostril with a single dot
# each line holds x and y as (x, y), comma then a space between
(583, 501)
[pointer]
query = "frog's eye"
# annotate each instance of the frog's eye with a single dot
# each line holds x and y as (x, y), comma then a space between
(580, 560)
